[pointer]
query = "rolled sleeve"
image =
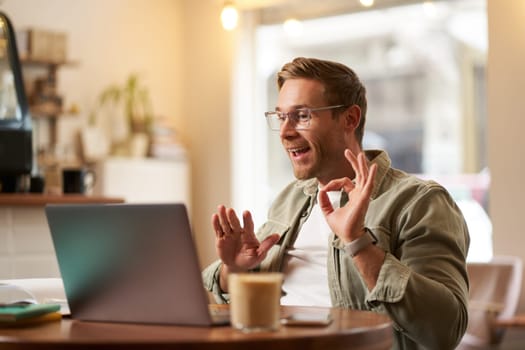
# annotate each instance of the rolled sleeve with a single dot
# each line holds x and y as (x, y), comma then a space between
(391, 282)
(210, 277)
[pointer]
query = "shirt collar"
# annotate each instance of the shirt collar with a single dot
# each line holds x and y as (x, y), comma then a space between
(383, 162)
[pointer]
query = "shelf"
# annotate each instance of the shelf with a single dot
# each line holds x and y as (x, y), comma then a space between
(46, 63)
(31, 199)
(45, 102)
(46, 111)
(46, 108)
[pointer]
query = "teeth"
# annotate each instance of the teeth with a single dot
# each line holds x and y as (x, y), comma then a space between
(296, 151)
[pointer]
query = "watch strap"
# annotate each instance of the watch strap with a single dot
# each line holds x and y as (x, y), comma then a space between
(360, 243)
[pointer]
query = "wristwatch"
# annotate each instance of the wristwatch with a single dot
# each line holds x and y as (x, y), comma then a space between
(355, 246)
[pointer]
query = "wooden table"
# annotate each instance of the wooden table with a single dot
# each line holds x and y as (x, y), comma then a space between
(350, 329)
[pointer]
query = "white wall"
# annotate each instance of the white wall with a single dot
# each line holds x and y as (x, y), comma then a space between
(506, 126)
(109, 40)
(208, 50)
(184, 56)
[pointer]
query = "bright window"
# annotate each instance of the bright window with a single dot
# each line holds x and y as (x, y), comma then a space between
(424, 70)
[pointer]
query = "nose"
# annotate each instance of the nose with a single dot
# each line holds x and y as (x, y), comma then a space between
(287, 129)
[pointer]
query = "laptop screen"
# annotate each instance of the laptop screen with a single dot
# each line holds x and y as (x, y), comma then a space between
(129, 263)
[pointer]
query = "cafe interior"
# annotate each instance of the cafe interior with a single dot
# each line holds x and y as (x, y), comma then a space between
(443, 80)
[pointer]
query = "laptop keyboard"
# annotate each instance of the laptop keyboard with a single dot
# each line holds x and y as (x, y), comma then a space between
(219, 315)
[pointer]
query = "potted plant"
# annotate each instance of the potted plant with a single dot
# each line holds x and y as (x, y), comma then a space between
(132, 99)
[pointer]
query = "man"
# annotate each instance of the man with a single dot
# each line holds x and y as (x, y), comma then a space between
(351, 231)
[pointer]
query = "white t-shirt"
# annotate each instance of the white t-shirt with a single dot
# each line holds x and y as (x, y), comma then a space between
(305, 271)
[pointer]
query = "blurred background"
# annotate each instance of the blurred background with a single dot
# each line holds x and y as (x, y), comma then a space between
(444, 82)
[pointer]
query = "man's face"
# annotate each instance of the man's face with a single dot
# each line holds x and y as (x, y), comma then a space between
(319, 150)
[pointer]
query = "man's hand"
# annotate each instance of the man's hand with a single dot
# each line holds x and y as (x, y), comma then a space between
(237, 246)
(347, 222)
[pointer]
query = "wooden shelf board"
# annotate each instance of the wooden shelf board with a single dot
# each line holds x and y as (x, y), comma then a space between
(34, 62)
(36, 199)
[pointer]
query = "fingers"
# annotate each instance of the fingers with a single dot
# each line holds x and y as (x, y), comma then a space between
(324, 202)
(266, 244)
(364, 179)
(234, 223)
(226, 222)
(360, 166)
(338, 184)
(223, 220)
(355, 164)
(363, 166)
(215, 223)
(247, 221)
(369, 185)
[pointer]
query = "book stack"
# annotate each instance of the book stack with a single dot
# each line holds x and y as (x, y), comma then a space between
(11, 315)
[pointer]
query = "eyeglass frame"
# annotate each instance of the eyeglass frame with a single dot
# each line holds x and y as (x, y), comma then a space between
(280, 117)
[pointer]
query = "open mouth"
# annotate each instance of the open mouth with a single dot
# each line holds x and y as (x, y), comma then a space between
(296, 152)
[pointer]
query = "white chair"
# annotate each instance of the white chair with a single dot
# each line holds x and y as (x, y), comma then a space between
(494, 293)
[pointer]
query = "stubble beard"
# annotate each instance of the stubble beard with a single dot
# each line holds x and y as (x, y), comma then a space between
(305, 171)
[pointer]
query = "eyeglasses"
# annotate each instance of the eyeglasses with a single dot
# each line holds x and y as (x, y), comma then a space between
(299, 119)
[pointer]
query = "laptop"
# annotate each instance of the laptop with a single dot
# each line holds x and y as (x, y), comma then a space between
(130, 263)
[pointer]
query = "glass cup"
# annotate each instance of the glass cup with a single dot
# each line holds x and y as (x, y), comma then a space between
(254, 301)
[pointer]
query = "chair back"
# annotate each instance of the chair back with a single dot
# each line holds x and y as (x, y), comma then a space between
(494, 294)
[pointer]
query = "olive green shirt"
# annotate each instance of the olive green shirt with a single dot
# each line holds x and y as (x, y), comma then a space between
(422, 284)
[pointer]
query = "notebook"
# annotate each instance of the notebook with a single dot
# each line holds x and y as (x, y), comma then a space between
(130, 263)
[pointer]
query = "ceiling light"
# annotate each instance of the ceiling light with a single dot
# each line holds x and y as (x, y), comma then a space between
(229, 16)
(430, 8)
(293, 27)
(366, 3)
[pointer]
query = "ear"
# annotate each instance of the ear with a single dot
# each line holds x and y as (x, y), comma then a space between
(352, 117)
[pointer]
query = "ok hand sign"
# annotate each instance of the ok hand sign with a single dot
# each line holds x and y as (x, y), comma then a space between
(348, 221)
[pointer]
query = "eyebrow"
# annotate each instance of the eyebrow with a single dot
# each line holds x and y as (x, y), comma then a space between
(277, 109)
